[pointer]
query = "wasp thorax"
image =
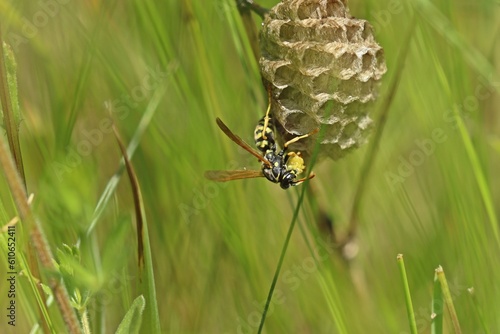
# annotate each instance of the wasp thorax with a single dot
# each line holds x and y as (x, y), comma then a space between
(324, 67)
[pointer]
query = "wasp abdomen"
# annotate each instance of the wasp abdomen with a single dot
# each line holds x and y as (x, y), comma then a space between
(264, 142)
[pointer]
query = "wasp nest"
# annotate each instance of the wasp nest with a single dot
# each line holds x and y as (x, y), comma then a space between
(324, 67)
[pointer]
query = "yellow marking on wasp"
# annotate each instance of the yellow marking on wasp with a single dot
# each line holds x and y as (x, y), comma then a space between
(295, 162)
(258, 132)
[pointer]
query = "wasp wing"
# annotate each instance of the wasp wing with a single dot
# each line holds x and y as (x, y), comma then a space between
(228, 175)
(240, 142)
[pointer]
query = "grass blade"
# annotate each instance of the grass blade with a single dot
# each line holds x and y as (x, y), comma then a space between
(478, 311)
(448, 299)
(15, 178)
(370, 158)
(138, 203)
(134, 142)
(292, 225)
(282, 257)
(152, 314)
(9, 105)
(409, 305)
(437, 307)
(483, 67)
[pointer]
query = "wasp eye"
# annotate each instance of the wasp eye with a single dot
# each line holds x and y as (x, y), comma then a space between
(324, 67)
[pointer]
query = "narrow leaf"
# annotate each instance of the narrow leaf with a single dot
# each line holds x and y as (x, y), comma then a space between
(144, 248)
(437, 307)
(409, 305)
(448, 299)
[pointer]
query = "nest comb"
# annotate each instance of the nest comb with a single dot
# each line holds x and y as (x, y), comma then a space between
(324, 67)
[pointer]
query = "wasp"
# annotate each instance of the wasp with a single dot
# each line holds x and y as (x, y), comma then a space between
(278, 167)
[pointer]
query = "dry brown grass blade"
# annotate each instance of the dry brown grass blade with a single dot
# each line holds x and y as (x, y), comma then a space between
(136, 193)
(370, 158)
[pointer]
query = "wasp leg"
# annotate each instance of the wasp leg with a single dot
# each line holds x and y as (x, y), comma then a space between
(267, 118)
(296, 183)
(296, 139)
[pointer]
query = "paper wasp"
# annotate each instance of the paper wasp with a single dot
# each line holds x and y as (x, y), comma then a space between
(278, 167)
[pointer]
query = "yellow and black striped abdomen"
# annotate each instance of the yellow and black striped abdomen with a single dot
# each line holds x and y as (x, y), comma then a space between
(267, 142)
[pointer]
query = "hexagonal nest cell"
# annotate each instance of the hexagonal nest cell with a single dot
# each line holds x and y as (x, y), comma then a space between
(325, 68)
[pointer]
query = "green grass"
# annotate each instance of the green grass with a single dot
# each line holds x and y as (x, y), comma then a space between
(432, 193)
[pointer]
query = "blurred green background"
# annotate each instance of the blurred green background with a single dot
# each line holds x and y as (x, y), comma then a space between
(432, 195)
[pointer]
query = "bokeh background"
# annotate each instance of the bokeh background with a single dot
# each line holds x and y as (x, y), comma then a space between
(168, 69)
